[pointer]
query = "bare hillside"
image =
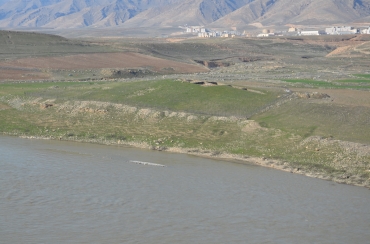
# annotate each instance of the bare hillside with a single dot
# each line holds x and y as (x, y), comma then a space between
(159, 13)
(301, 12)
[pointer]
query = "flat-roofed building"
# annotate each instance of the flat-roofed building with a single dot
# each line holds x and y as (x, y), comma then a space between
(342, 30)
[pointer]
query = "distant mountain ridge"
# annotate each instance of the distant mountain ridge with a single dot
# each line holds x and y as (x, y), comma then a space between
(298, 12)
(150, 13)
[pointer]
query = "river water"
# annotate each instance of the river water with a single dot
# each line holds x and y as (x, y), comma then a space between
(66, 192)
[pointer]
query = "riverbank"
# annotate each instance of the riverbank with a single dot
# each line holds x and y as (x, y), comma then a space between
(312, 135)
(354, 179)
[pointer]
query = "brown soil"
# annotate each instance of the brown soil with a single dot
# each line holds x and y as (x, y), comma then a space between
(4, 106)
(340, 50)
(175, 39)
(18, 74)
(94, 61)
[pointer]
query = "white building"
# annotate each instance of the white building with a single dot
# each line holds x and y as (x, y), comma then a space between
(208, 34)
(365, 31)
(195, 29)
(311, 33)
(343, 30)
(265, 34)
(204, 34)
(214, 34)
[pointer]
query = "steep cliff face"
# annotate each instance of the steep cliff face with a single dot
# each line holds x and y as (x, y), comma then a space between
(140, 13)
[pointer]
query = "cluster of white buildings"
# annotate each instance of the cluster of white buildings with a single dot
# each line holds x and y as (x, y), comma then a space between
(205, 33)
(195, 29)
(345, 30)
(201, 31)
(342, 30)
(219, 34)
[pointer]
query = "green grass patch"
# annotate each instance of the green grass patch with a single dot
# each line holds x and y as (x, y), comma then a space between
(11, 121)
(166, 95)
(366, 76)
(353, 81)
(303, 118)
(314, 83)
(18, 89)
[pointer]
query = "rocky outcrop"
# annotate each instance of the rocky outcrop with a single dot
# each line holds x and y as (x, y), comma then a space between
(312, 95)
(126, 73)
(214, 63)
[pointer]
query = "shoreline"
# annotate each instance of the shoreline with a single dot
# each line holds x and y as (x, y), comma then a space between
(260, 161)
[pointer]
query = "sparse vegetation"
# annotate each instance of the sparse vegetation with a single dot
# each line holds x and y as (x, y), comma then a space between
(273, 107)
(354, 81)
(14, 45)
(366, 76)
(360, 84)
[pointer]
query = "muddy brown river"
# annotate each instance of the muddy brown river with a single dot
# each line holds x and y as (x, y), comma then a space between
(66, 192)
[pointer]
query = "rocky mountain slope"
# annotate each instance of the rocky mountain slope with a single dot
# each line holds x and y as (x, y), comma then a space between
(146, 13)
(304, 12)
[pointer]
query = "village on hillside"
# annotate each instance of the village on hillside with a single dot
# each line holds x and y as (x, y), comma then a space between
(203, 32)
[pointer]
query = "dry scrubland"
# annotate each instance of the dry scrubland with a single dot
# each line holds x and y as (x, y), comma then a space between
(299, 104)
